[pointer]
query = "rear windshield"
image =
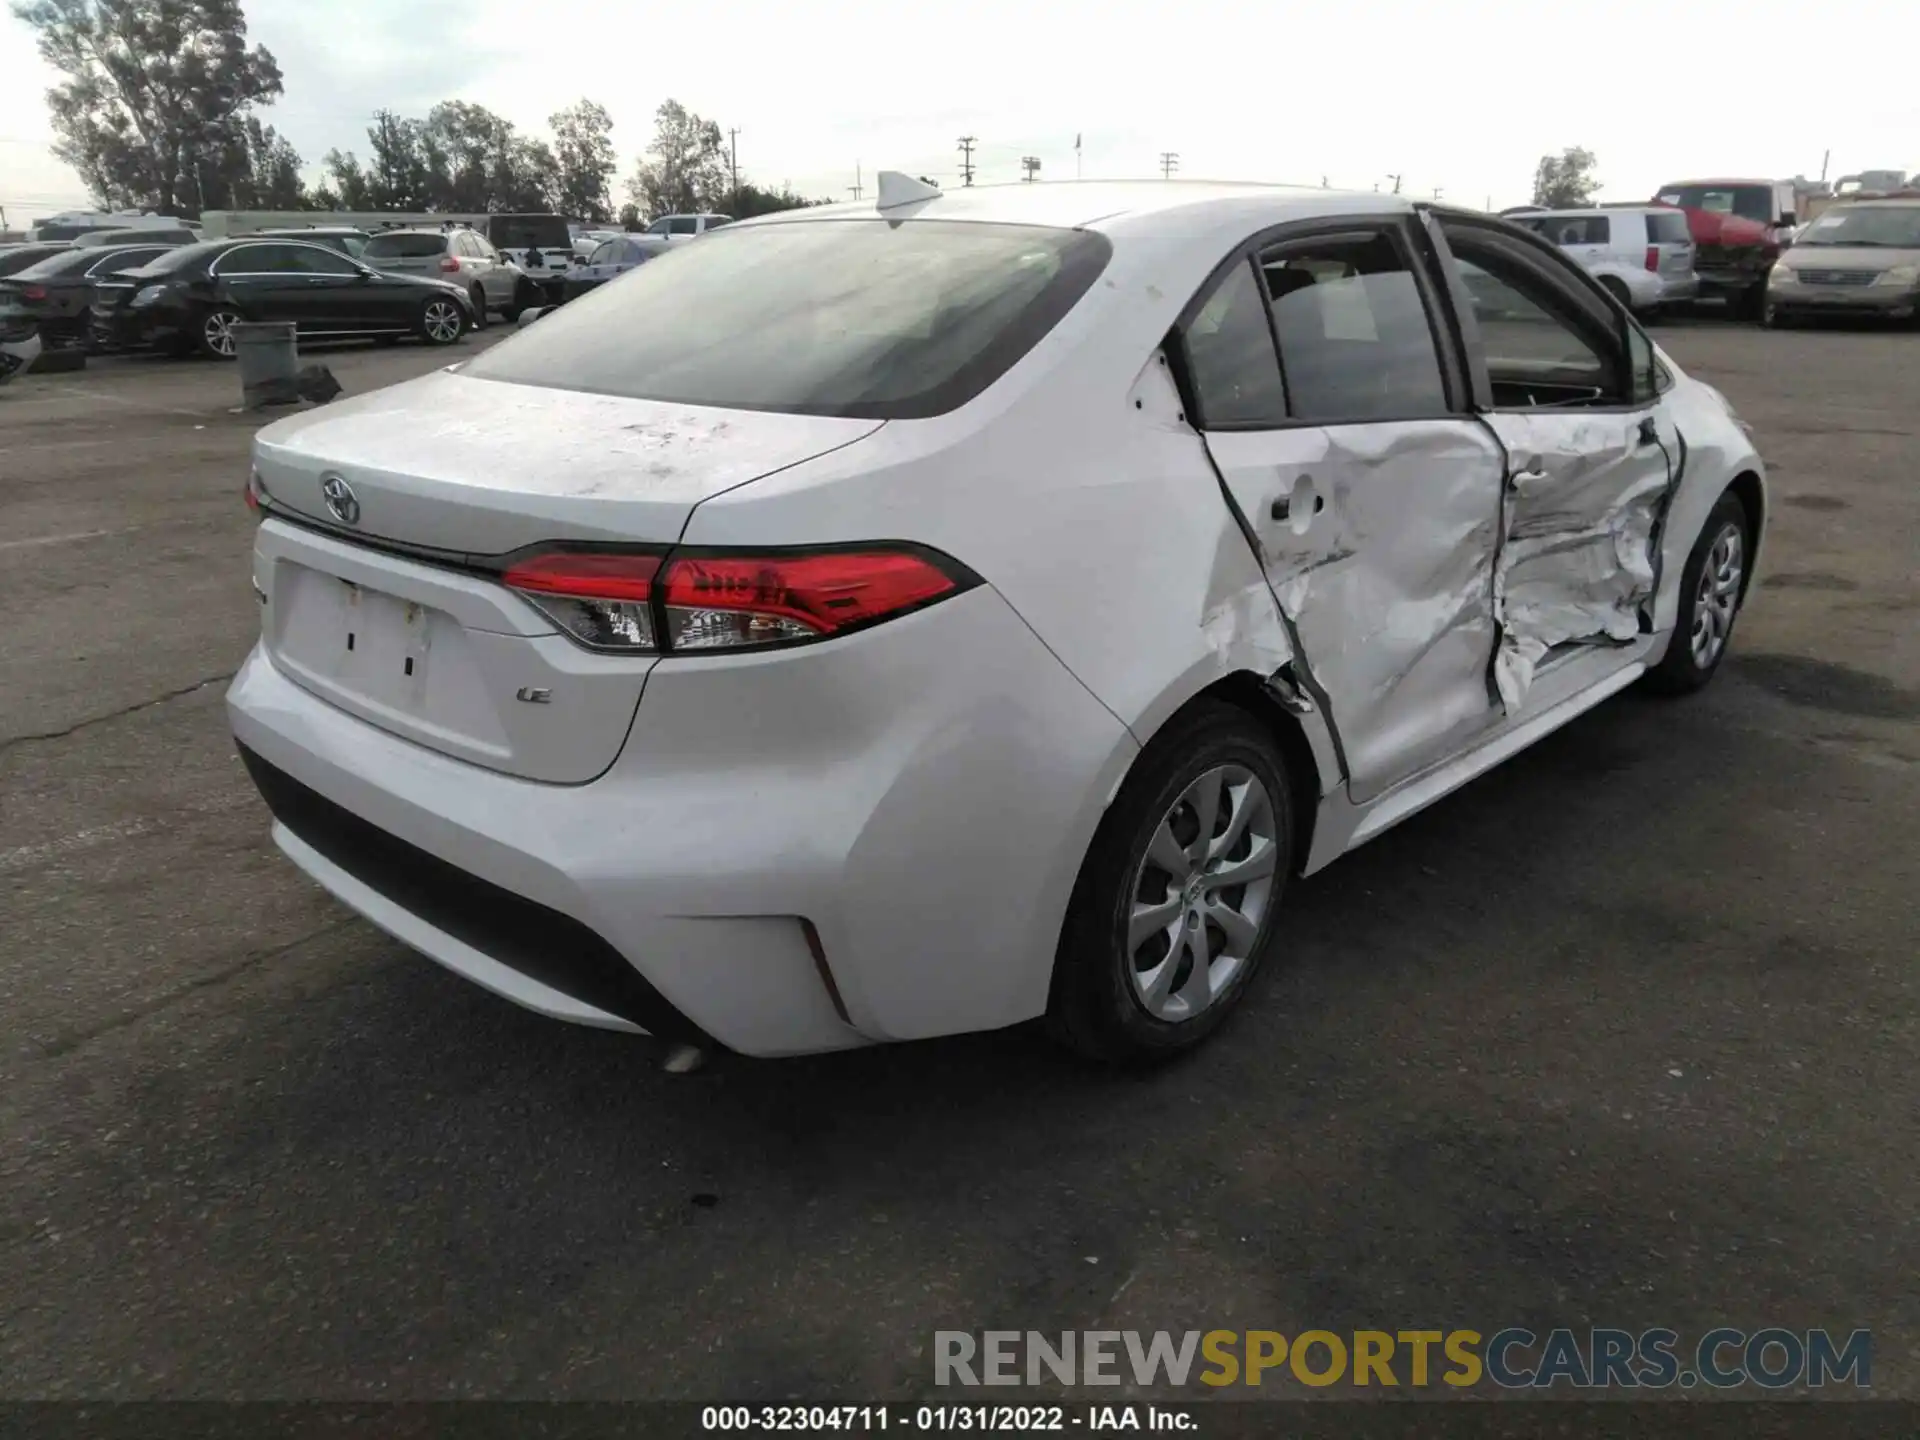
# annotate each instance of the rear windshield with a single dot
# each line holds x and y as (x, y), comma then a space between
(1667, 227)
(857, 318)
(517, 232)
(404, 247)
(182, 259)
(1749, 202)
(12, 262)
(66, 262)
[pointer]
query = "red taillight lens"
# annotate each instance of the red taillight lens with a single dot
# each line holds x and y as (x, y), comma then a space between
(254, 491)
(601, 600)
(448, 263)
(34, 292)
(1653, 257)
(719, 602)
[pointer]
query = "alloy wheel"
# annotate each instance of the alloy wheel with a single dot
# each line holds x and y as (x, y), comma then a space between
(1717, 596)
(218, 331)
(1200, 893)
(442, 322)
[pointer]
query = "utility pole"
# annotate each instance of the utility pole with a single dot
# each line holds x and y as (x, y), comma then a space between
(1031, 165)
(1396, 183)
(1823, 166)
(966, 159)
(1169, 162)
(733, 164)
(1437, 193)
(856, 186)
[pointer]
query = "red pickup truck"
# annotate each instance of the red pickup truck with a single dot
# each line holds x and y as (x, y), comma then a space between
(1739, 228)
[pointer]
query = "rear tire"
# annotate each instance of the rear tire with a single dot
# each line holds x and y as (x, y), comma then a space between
(216, 332)
(1618, 290)
(1154, 954)
(1712, 586)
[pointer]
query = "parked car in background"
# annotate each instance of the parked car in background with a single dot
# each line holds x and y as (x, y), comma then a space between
(458, 256)
(75, 224)
(14, 258)
(56, 294)
(541, 245)
(344, 238)
(1739, 228)
(1861, 258)
(609, 259)
(191, 298)
(585, 242)
(675, 228)
(1642, 255)
(137, 235)
(877, 623)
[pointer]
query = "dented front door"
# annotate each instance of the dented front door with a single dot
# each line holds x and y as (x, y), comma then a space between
(1583, 500)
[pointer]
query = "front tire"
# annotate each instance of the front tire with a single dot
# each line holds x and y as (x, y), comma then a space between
(1175, 903)
(442, 321)
(216, 340)
(1712, 586)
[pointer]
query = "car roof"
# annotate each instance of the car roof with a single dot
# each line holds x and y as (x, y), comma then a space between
(1719, 180)
(1890, 202)
(418, 230)
(1112, 205)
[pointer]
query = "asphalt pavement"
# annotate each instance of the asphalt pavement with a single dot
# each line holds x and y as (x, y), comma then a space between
(1622, 1034)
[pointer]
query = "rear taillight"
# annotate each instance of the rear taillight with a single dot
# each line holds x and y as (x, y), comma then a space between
(1653, 257)
(601, 600)
(255, 492)
(712, 600)
(449, 263)
(34, 292)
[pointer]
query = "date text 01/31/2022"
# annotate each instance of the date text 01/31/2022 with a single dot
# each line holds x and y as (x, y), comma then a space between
(990, 1419)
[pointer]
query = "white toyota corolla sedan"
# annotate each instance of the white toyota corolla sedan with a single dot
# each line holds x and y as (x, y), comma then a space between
(882, 622)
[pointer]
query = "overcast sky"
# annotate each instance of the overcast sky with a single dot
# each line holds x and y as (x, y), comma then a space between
(1464, 97)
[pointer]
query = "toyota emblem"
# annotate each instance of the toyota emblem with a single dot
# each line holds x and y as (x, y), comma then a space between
(342, 503)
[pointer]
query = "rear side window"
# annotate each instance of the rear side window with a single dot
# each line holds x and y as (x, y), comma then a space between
(1235, 372)
(1667, 227)
(857, 318)
(405, 247)
(683, 225)
(1573, 229)
(1355, 341)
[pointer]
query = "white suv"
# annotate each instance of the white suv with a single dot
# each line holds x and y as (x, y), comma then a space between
(1642, 253)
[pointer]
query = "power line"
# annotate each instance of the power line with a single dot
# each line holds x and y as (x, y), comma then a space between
(966, 159)
(1169, 162)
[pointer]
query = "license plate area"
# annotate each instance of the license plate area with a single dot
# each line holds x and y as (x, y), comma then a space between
(362, 643)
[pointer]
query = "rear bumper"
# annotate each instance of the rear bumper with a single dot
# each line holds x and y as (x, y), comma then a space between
(915, 800)
(1674, 289)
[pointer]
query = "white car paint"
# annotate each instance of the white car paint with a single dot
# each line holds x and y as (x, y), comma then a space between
(877, 836)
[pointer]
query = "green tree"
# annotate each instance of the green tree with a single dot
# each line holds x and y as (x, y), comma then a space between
(152, 96)
(397, 174)
(583, 149)
(685, 169)
(1565, 181)
(751, 200)
(347, 184)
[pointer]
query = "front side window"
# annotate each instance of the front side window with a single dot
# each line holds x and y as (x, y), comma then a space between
(318, 260)
(1544, 344)
(1231, 359)
(858, 318)
(605, 253)
(1355, 340)
(262, 260)
(660, 226)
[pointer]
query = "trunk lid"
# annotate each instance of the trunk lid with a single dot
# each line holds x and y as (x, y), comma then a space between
(482, 467)
(451, 659)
